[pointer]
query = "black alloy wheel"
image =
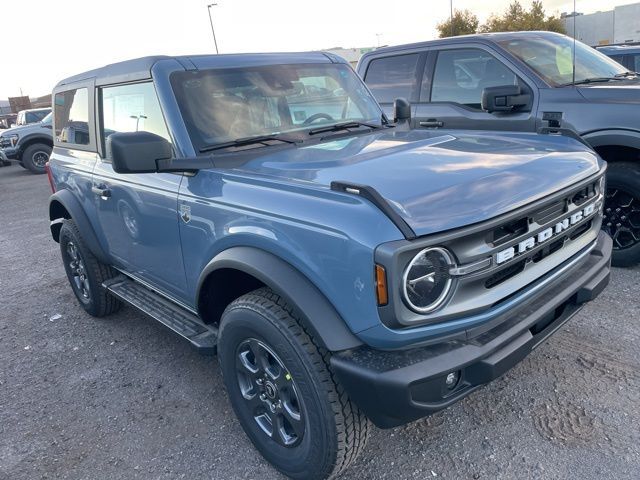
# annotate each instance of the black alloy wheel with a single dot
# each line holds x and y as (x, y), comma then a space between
(270, 393)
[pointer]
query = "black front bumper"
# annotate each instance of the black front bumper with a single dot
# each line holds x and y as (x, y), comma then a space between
(397, 387)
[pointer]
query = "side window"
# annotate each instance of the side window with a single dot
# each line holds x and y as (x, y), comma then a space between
(618, 58)
(391, 77)
(131, 108)
(72, 117)
(461, 75)
(635, 63)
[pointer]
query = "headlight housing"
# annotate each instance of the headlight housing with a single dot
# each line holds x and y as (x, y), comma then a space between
(427, 282)
(13, 139)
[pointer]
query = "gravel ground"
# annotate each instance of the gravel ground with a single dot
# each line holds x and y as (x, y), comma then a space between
(123, 397)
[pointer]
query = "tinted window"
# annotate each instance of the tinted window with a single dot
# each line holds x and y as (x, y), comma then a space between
(33, 117)
(461, 75)
(618, 58)
(131, 108)
(391, 77)
(636, 63)
(72, 116)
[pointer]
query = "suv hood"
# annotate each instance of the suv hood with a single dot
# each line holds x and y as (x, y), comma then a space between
(439, 180)
(21, 130)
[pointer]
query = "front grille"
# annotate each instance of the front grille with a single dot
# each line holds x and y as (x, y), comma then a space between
(505, 274)
(499, 257)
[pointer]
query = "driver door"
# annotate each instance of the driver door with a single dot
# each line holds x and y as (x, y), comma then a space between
(137, 213)
(451, 92)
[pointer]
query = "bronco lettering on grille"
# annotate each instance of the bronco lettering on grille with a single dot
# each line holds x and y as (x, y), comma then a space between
(544, 235)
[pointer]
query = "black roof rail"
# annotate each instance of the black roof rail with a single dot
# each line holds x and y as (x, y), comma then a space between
(371, 194)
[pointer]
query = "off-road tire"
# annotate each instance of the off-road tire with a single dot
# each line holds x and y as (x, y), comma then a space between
(625, 176)
(99, 302)
(32, 155)
(335, 430)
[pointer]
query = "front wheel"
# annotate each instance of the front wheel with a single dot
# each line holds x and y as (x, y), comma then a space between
(35, 157)
(622, 212)
(283, 392)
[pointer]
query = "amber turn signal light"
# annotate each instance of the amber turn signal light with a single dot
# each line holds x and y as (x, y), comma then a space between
(381, 286)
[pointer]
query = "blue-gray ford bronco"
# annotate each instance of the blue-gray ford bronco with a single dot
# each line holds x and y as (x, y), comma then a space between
(345, 269)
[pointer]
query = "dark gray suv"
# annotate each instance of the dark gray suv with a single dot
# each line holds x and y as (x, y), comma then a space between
(524, 81)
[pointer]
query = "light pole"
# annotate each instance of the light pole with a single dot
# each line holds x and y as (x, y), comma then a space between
(137, 119)
(211, 21)
(378, 35)
(451, 15)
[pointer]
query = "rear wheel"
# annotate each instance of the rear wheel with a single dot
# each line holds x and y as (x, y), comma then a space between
(283, 392)
(622, 212)
(35, 157)
(85, 273)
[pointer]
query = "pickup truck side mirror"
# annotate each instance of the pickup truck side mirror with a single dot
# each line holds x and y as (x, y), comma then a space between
(401, 110)
(137, 152)
(503, 98)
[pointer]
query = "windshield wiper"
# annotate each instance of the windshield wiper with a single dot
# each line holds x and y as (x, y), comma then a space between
(626, 74)
(241, 142)
(343, 126)
(591, 80)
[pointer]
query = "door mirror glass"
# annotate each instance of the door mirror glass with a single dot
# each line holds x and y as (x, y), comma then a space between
(137, 152)
(503, 98)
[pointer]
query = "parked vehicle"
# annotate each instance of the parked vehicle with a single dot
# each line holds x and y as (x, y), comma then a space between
(523, 81)
(30, 145)
(7, 120)
(627, 55)
(344, 269)
(32, 115)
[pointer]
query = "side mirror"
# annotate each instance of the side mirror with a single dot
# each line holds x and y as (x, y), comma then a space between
(503, 98)
(137, 152)
(401, 110)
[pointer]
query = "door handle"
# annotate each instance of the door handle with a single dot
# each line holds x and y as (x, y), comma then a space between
(102, 191)
(432, 122)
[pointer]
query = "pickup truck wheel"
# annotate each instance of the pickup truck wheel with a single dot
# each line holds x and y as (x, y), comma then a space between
(622, 213)
(36, 156)
(283, 391)
(85, 273)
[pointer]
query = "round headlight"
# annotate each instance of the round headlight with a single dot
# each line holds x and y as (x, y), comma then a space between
(426, 280)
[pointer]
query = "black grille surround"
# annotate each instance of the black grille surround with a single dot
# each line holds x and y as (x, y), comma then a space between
(476, 292)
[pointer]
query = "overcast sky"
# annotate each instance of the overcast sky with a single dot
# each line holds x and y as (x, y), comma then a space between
(44, 41)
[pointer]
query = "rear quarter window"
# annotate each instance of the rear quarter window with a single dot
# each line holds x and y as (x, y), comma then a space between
(72, 117)
(391, 77)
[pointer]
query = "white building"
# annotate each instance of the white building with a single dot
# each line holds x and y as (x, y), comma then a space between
(351, 55)
(620, 25)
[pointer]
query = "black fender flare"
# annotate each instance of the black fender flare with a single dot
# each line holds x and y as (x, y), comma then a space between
(312, 307)
(75, 211)
(34, 138)
(620, 137)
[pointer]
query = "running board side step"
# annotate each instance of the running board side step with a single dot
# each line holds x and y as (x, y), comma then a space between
(180, 320)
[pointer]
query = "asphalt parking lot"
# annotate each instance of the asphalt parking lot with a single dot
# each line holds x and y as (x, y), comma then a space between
(123, 397)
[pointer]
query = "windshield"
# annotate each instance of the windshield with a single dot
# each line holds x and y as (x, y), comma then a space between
(237, 103)
(552, 59)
